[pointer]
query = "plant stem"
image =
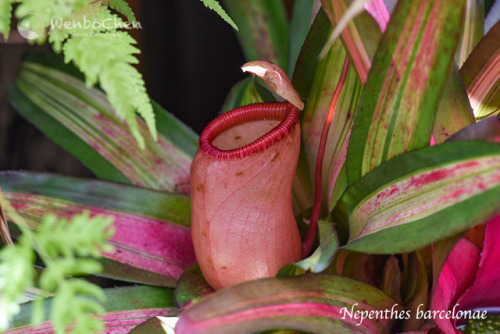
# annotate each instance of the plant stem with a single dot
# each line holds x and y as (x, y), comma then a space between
(318, 189)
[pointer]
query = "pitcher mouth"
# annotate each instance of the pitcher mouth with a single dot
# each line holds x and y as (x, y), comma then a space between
(285, 112)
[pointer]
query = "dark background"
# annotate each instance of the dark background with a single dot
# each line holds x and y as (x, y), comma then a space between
(190, 59)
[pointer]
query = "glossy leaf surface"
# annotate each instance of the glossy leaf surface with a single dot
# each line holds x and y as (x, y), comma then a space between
(312, 303)
(397, 108)
(323, 76)
(82, 121)
(125, 308)
(481, 74)
(422, 196)
(360, 37)
(152, 228)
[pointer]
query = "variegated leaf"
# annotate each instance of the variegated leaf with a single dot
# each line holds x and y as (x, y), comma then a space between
(481, 74)
(82, 121)
(315, 303)
(125, 307)
(152, 228)
(397, 109)
(421, 197)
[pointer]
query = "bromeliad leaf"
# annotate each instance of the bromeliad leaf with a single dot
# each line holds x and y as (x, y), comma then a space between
(83, 122)
(326, 77)
(322, 256)
(473, 30)
(397, 109)
(244, 92)
(481, 74)
(360, 37)
(315, 303)
(190, 286)
(124, 308)
(263, 30)
(152, 227)
(421, 197)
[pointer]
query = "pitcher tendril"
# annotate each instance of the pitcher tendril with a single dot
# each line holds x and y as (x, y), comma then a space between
(318, 190)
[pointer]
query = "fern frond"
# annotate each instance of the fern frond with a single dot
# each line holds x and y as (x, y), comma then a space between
(215, 6)
(16, 274)
(58, 241)
(5, 17)
(110, 63)
(77, 297)
(122, 7)
(85, 22)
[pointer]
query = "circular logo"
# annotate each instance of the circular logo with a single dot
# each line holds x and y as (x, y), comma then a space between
(30, 26)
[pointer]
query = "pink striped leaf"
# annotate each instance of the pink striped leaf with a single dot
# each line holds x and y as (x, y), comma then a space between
(481, 74)
(361, 35)
(399, 101)
(454, 111)
(83, 122)
(125, 308)
(422, 196)
(152, 243)
(323, 76)
(316, 303)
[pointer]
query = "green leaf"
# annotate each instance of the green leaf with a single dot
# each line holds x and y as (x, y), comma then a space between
(124, 308)
(391, 283)
(360, 37)
(454, 112)
(480, 74)
(263, 29)
(302, 18)
(317, 303)
(83, 122)
(421, 197)
(420, 297)
(214, 5)
(244, 92)
(190, 286)
(473, 30)
(397, 108)
(322, 256)
(152, 228)
(317, 81)
(313, 119)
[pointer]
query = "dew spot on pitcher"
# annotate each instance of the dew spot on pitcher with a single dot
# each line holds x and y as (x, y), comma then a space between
(237, 137)
(223, 268)
(239, 174)
(204, 233)
(200, 188)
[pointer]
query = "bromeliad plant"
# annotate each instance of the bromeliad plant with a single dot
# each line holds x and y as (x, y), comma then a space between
(394, 175)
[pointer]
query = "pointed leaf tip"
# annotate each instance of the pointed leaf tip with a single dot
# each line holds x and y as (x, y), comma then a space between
(276, 78)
